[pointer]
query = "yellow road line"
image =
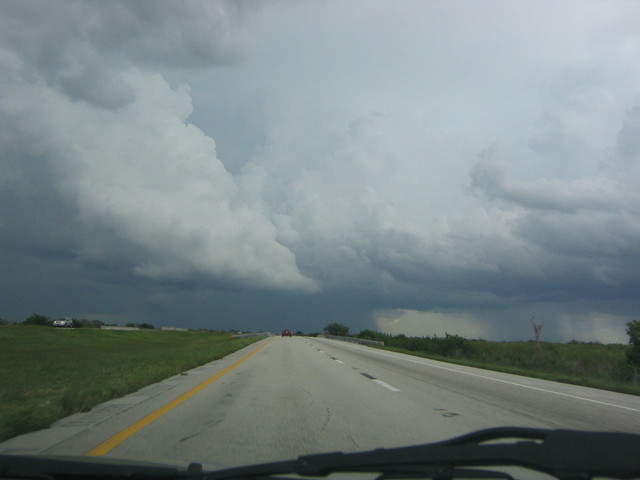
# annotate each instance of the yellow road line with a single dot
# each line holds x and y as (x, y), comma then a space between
(111, 443)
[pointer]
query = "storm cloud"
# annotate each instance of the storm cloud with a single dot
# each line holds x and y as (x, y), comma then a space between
(409, 166)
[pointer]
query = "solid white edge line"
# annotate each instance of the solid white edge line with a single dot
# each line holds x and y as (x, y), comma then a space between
(386, 385)
(515, 384)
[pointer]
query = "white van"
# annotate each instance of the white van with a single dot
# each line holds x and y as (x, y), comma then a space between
(63, 322)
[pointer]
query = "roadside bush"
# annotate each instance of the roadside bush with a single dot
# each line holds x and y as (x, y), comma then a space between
(453, 346)
(633, 354)
(373, 335)
(37, 319)
(336, 329)
(144, 326)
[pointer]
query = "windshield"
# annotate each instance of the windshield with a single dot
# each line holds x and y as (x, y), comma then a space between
(281, 228)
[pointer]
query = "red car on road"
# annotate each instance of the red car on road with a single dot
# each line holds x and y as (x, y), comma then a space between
(287, 333)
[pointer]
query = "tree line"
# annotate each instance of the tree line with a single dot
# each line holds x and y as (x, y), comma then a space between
(45, 321)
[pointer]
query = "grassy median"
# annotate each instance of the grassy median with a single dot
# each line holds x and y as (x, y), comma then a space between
(47, 373)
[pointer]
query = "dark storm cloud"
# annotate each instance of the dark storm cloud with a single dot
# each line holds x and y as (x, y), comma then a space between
(547, 194)
(77, 45)
(134, 184)
(352, 190)
(592, 218)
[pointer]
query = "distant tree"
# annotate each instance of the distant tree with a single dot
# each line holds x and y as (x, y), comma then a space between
(537, 330)
(140, 325)
(37, 319)
(336, 329)
(373, 335)
(633, 354)
(4, 322)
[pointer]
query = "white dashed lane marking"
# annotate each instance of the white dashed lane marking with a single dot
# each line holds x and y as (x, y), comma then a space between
(386, 385)
(380, 382)
(370, 377)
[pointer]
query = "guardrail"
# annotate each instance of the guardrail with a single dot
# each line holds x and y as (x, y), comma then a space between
(361, 341)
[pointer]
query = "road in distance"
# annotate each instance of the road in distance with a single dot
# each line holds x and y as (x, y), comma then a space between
(302, 395)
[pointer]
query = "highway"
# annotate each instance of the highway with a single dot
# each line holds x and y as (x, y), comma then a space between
(284, 397)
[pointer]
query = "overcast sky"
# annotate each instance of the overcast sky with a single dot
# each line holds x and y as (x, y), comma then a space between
(414, 167)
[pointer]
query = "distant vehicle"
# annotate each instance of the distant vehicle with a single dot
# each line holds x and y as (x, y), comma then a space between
(64, 322)
(287, 333)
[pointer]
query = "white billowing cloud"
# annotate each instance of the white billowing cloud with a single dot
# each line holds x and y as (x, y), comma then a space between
(590, 224)
(132, 182)
(593, 194)
(377, 200)
(344, 194)
(379, 203)
(154, 183)
(610, 188)
(79, 47)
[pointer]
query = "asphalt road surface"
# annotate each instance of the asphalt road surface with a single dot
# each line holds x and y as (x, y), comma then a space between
(285, 397)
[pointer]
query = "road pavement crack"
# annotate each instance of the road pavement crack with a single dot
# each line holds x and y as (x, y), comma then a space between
(326, 420)
(353, 441)
(188, 437)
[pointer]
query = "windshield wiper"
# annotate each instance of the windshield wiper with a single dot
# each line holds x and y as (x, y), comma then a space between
(564, 454)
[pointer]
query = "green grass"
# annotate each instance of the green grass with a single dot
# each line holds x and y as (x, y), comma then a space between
(588, 364)
(47, 373)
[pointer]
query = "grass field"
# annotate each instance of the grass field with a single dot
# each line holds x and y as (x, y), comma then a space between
(47, 373)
